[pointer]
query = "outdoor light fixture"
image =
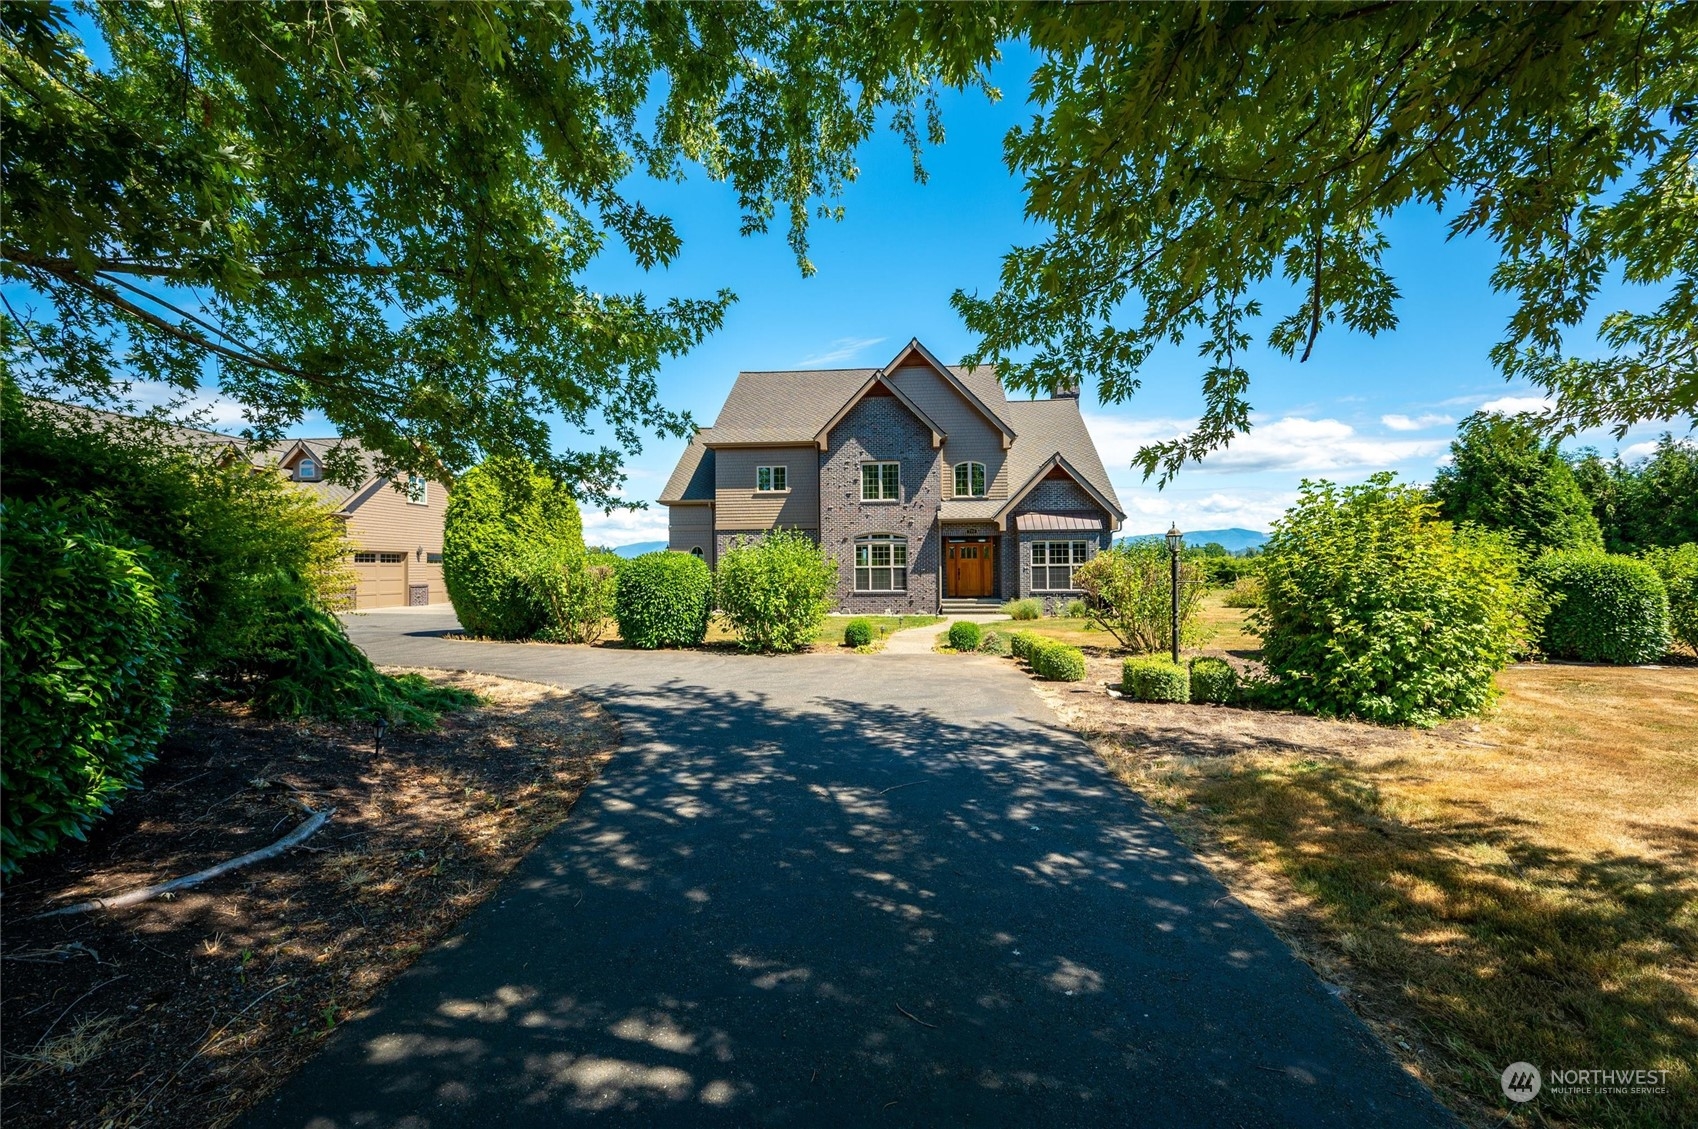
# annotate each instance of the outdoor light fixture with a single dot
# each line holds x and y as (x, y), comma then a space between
(379, 731)
(1175, 542)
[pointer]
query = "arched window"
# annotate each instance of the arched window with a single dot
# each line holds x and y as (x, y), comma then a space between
(881, 563)
(306, 468)
(969, 480)
(696, 551)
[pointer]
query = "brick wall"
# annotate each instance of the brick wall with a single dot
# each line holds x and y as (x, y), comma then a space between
(880, 428)
(1053, 495)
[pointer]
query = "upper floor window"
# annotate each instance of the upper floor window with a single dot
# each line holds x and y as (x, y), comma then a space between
(881, 482)
(969, 480)
(772, 479)
(881, 563)
(1053, 563)
(306, 468)
(418, 490)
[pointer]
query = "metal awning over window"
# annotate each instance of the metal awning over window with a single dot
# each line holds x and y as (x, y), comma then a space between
(1058, 523)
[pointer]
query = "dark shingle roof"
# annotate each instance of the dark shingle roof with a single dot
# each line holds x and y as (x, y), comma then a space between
(1054, 427)
(692, 478)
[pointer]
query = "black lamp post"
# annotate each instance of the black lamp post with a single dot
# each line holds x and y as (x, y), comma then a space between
(1175, 540)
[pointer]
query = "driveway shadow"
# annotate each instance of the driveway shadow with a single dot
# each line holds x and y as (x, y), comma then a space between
(829, 911)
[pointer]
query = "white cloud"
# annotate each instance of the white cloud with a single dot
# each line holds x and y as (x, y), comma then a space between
(1398, 422)
(1292, 443)
(201, 408)
(1515, 405)
(624, 527)
(842, 349)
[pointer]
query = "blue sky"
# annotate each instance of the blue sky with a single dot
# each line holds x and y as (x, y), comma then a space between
(886, 272)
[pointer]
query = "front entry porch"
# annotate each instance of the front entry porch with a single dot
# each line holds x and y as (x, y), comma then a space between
(969, 568)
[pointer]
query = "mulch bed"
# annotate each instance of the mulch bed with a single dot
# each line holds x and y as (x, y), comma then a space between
(186, 1010)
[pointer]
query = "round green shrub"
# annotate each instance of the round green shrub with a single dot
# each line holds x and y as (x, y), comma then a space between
(1679, 569)
(1021, 644)
(664, 600)
(1213, 680)
(1372, 607)
(994, 643)
(91, 648)
(508, 532)
(1604, 608)
(1024, 609)
(1151, 678)
(964, 636)
(775, 591)
(858, 633)
(1076, 609)
(1059, 663)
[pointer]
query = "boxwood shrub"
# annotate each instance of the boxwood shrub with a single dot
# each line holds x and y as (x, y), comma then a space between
(509, 530)
(1213, 680)
(964, 636)
(1058, 662)
(1151, 678)
(91, 648)
(1020, 644)
(664, 600)
(858, 633)
(775, 591)
(1604, 608)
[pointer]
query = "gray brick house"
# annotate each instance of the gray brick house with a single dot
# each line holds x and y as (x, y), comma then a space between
(929, 487)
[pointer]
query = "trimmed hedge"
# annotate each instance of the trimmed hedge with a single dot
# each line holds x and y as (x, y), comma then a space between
(91, 652)
(1058, 662)
(858, 633)
(1020, 644)
(775, 591)
(1679, 569)
(1150, 678)
(508, 531)
(964, 636)
(664, 600)
(1213, 680)
(1604, 608)
(995, 643)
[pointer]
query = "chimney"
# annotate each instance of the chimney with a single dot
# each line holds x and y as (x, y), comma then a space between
(1066, 391)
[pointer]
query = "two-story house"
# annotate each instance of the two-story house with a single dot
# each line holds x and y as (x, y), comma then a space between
(930, 488)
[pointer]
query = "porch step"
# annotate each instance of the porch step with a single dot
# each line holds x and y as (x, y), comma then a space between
(972, 607)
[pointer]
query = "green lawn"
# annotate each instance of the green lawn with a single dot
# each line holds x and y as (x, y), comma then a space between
(831, 631)
(1224, 626)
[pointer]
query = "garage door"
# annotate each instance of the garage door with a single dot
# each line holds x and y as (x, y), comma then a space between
(380, 580)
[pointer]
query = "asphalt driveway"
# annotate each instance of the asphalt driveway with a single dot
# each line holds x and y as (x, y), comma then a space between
(842, 890)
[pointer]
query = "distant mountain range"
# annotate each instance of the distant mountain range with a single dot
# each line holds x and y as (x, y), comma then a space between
(639, 548)
(1232, 540)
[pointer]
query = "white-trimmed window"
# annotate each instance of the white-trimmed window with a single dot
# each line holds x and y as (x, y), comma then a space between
(969, 480)
(881, 563)
(772, 479)
(418, 490)
(1053, 563)
(881, 482)
(391, 558)
(306, 468)
(365, 558)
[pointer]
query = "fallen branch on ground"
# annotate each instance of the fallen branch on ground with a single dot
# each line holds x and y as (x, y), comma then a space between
(915, 1018)
(293, 839)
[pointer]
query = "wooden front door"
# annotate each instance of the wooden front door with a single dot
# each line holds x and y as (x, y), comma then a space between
(970, 568)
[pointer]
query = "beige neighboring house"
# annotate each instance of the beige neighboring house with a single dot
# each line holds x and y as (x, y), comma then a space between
(396, 528)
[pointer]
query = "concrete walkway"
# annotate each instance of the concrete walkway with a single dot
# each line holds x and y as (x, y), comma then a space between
(922, 640)
(842, 889)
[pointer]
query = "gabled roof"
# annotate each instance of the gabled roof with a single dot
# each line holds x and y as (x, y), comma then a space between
(954, 377)
(875, 381)
(276, 455)
(692, 478)
(1059, 461)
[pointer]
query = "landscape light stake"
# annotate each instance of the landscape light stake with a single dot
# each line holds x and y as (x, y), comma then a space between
(1174, 540)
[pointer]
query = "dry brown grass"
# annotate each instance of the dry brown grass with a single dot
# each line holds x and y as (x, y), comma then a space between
(1223, 631)
(1517, 888)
